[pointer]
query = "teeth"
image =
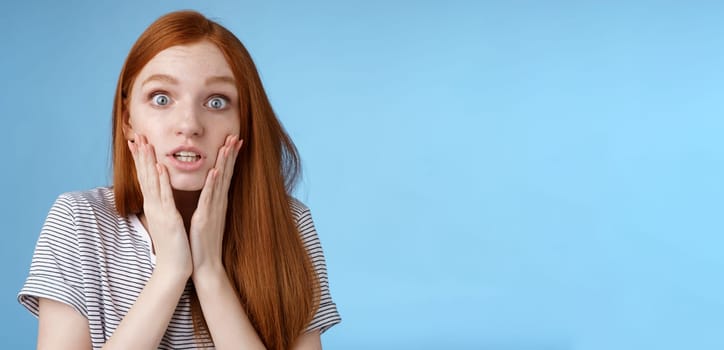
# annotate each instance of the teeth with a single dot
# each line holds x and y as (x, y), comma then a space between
(185, 154)
(186, 159)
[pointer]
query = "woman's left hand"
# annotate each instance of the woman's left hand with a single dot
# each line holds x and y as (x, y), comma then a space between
(206, 232)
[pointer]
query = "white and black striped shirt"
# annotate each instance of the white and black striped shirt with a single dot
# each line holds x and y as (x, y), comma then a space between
(96, 261)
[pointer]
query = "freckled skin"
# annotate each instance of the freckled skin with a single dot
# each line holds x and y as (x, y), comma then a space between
(185, 110)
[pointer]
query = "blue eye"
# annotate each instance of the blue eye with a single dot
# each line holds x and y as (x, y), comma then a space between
(217, 103)
(160, 99)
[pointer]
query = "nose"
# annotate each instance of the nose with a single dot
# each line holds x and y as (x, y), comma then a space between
(188, 123)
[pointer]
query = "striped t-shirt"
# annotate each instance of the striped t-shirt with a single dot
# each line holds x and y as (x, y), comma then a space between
(96, 261)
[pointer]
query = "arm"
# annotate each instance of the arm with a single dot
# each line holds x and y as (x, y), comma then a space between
(308, 341)
(143, 327)
(150, 314)
(61, 327)
(228, 324)
(54, 289)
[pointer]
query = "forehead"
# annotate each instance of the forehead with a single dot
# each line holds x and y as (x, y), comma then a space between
(197, 60)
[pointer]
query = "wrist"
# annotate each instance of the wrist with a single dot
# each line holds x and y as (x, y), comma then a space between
(172, 272)
(209, 274)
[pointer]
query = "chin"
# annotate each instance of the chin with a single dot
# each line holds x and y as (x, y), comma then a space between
(187, 189)
(187, 184)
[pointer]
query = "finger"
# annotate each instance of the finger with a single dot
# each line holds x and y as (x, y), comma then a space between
(220, 166)
(165, 190)
(138, 162)
(220, 155)
(146, 166)
(150, 165)
(228, 168)
(207, 192)
(228, 173)
(132, 147)
(236, 149)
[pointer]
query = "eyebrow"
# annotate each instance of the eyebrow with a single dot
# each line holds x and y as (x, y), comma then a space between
(160, 77)
(225, 79)
(221, 79)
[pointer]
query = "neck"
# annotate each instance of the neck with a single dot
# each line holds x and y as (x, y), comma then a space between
(186, 203)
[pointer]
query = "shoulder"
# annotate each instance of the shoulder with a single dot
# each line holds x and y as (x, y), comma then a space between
(73, 222)
(99, 200)
(306, 227)
(298, 208)
(303, 217)
(326, 315)
(79, 212)
(97, 197)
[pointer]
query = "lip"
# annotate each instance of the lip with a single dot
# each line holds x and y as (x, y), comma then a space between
(186, 166)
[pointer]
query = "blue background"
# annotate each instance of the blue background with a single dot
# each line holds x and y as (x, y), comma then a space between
(509, 175)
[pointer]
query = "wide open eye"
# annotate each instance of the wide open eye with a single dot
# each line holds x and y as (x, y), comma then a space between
(160, 99)
(217, 102)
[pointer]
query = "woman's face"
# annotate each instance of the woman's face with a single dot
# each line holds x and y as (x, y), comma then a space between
(185, 102)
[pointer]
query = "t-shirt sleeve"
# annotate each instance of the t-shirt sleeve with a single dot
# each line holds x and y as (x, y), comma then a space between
(326, 315)
(55, 271)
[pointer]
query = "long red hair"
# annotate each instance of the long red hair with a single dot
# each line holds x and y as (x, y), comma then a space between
(263, 253)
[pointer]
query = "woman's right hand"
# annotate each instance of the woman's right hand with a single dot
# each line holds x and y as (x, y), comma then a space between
(163, 221)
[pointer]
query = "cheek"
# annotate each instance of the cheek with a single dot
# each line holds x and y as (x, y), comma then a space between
(144, 121)
(136, 119)
(223, 129)
(234, 127)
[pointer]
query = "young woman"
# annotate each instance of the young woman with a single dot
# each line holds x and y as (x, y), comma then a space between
(199, 243)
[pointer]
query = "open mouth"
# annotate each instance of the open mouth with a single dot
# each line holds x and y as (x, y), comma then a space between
(186, 156)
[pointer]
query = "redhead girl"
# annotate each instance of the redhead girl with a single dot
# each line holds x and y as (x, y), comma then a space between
(198, 243)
